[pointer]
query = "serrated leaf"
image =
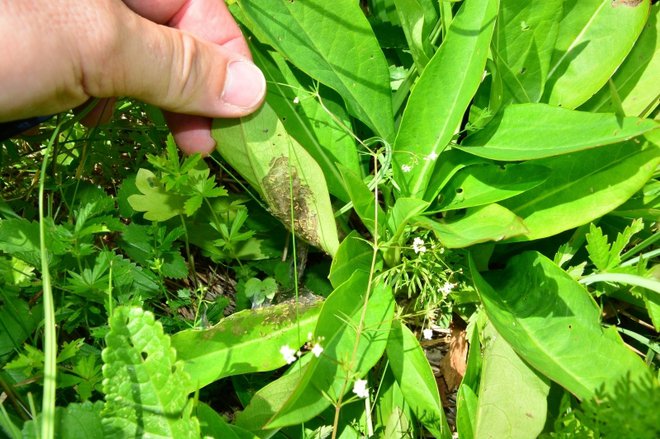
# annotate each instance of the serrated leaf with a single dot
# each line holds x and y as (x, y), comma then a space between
(20, 238)
(75, 421)
(155, 201)
(598, 247)
(258, 147)
(146, 389)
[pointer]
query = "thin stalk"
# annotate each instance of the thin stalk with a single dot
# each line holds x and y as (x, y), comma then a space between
(360, 327)
(50, 339)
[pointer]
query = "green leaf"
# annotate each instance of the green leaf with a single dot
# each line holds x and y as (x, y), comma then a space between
(442, 94)
(75, 421)
(598, 247)
(354, 340)
(306, 33)
(215, 426)
(417, 18)
(309, 122)
(146, 389)
(364, 201)
(246, 342)
(258, 147)
(354, 253)
(583, 186)
(484, 184)
(155, 201)
(479, 224)
(594, 38)
(466, 399)
(512, 396)
(524, 37)
(553, 324)
(635, 81)
(20, 238)
(549, 131)
(415, 377)
(17, 322)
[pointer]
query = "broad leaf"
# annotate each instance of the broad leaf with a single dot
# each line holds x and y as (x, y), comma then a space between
(549, 131)
(258, 147)
(154, 200)
(354, 253)
(484, 184)
(524, 37)
(355, 332)
(480, 224)
(594, 38)
(245, 342)
(415, 377)
(307, 120)
(584, 186)
(317, 37)
(466, 398)
(146, 389)
(215, 426)
(553, 324)
(75, 421)
(636, 81)
(442, 94)
(512, 396)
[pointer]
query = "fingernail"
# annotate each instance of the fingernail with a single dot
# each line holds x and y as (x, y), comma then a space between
(245, 85)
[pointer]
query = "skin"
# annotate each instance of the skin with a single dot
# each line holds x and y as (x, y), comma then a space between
(187, 57)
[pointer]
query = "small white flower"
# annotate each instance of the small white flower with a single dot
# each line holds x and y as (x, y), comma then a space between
(428, 334)
(418, 245)
(288, 354)
(296, 100)
(309, 336)
(447, 288)
(317, 349)
(406, 168)
(360, 388)
(432, 156)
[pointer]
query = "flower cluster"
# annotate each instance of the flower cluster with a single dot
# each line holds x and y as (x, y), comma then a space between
(290, 355)
(418, 245)
(360, 388)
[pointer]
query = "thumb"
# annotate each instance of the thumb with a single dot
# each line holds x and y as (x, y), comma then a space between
(171, 69)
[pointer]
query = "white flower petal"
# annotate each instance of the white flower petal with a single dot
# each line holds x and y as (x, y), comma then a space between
(360, 388)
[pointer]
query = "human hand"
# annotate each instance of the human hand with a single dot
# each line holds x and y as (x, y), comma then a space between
(187, 57)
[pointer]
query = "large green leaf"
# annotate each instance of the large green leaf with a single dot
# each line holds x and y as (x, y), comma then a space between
(442, 94)
(334, 44)
(467, 400)
(553, 324)
(522, 46)
(512, 396)
(354, 253)
(355, 334)
(549, 131)
(306, 119)
(584, 186)
(484, 184)
(415, 377)
(245, 342)
(146, 389)
(594, 38)
(479, 224)
(636, 81)
(274, 163)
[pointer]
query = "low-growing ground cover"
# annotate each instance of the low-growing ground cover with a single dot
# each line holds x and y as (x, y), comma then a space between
(442, 221)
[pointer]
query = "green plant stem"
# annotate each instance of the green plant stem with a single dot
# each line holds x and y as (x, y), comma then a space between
(360, 327)
(50, 339)
(629, 279)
